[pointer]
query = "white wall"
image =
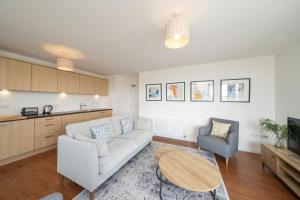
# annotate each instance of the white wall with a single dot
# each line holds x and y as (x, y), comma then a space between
(288, 83)
(120, 86)
(191, 115)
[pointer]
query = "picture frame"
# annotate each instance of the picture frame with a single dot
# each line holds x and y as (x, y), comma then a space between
(175, 91)
(235, 90)
(202, 91)
(154, 92)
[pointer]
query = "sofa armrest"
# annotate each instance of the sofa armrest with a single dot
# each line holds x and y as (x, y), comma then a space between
(142, 124)
(204, 130)
(78, 161)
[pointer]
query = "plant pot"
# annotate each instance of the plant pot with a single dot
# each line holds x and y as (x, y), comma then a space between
(279, 143)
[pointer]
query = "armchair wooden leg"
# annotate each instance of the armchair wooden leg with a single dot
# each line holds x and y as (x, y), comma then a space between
(227, 160)
(92, 196)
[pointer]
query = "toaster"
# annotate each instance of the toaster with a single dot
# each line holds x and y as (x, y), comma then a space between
(28, 111)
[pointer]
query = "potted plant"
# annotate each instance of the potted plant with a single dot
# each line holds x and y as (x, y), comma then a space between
(280, 131)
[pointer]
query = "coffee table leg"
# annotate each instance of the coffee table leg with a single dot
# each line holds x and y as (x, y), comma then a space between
(160, 186)
(213, 194)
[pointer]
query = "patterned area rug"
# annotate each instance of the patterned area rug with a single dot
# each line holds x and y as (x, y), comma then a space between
(137, 180)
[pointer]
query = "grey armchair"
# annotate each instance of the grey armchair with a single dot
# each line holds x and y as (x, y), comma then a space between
(223, 147)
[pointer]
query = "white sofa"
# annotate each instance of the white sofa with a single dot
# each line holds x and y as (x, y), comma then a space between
(79, 160)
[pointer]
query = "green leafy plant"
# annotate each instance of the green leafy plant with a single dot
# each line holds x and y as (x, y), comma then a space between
(280, 131)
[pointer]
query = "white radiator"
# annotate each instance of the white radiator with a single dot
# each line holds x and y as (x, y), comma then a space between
(168, 127)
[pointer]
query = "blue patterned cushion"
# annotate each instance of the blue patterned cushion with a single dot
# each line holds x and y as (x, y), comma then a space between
(103, 131)
(126, 125)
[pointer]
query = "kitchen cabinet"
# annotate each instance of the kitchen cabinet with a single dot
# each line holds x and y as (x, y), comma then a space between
(14, 75)
(97, 115)
(68, 82)
(16, 138)
(44, 79)
(101, 86)
(87, 84)
(46, 131)
(69, 119)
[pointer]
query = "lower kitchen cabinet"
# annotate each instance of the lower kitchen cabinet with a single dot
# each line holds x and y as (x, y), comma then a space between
(23, 138)
(70, 119)
(16, 138)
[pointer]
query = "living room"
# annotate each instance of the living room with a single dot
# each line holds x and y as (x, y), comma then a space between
(149, 100)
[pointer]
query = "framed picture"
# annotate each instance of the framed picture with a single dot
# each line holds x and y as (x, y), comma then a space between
(202, 91)
(153, 92)
(175, 91)
(235, 90)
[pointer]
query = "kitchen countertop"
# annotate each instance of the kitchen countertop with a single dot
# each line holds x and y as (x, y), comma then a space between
(8, 118)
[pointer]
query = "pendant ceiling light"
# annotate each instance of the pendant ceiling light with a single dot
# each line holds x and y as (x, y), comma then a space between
(177, 32)
(65, 64)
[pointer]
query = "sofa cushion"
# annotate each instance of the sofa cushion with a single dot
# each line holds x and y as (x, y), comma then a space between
(103, 131)
(119, 149)
(220, 129)
(101, 144)
(126, 125)
(139, 136)
(84, 127)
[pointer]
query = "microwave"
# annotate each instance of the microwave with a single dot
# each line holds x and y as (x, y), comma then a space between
(28, 111)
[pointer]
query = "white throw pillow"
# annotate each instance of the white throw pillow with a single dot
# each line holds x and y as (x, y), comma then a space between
(126, 125)
(101, 144)
(103, 131)
(220, 129)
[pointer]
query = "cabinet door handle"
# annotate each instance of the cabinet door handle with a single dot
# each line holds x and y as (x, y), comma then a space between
(49, 136)
(49, 124)
(3, 124)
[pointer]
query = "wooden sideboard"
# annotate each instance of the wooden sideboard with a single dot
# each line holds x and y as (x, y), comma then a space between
(21, 138)
(286, 167)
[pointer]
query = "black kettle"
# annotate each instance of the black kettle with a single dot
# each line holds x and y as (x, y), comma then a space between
(47, 109)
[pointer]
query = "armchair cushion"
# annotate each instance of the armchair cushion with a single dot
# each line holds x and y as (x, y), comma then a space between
(220, 129)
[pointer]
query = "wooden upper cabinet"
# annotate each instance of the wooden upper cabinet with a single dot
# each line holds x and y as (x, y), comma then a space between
(87, 84)
(68, 82)
(101, 87)
(44, 79)
(14, 75)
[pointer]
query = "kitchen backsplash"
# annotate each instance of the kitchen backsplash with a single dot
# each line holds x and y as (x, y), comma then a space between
(11, 102)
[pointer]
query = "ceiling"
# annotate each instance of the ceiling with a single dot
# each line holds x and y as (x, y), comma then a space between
(126, 37)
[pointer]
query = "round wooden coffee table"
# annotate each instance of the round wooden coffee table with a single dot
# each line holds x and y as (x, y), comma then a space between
(187, 171)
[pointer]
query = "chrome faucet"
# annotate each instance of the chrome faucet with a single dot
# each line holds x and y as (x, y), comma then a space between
(81, 106)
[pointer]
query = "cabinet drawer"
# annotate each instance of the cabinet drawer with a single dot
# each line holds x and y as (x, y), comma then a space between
(47, 120)
(44, 141)
(46, 128)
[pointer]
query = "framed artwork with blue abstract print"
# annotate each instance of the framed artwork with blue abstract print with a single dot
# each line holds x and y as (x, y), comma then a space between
(153, 92)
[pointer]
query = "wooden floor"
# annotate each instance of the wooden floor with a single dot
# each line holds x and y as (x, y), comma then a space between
(36, 176)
